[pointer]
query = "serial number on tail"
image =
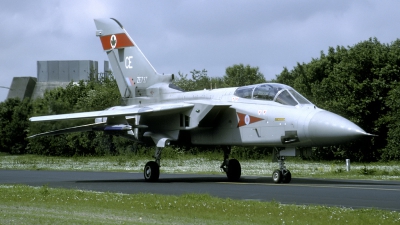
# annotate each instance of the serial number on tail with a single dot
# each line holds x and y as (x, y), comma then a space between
(141, 80)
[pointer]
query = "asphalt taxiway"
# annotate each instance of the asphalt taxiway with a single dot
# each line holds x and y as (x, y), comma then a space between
(301, 191)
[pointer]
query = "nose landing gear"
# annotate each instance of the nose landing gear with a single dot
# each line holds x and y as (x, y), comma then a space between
(281, 175)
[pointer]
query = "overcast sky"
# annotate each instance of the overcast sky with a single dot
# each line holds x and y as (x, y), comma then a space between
(185, 35)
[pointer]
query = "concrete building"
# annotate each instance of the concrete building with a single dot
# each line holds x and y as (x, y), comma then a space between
(52, 74)
(22, 87)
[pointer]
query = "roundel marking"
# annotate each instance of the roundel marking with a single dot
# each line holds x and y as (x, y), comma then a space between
(247, 119)
(113, 41)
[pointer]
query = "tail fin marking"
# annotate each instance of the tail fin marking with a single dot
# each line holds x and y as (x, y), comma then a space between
(131, 69)
(115, 41)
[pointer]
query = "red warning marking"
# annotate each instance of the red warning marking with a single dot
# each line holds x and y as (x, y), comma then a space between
(117, 41)
(245, 119)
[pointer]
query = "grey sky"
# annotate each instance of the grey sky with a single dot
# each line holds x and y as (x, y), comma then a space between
(185, 35)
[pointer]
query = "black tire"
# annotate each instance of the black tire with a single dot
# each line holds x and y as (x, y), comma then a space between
(234, 170)
(151, 171)
(277, 176)
(287, 176)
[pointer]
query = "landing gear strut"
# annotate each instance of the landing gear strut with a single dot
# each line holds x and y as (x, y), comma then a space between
(282, 174)
(152, 168)
(231, 167)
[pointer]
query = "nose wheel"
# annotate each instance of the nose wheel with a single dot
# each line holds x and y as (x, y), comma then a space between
(287, 176)
(277, 176)
(281, 175)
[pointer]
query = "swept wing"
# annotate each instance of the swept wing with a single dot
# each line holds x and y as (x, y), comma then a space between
(116, 112)
(113, 119)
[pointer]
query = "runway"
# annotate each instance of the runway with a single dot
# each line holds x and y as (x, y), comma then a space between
(301, 191)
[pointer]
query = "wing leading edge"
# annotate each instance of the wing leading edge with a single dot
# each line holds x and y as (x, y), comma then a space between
(113, 119)
(115, 112)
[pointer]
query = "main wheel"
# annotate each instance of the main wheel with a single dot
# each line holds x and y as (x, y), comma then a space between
(287, 176)
(151, 171)
(234, 170)
(277, 176)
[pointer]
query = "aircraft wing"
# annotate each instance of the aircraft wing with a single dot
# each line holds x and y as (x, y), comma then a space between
(83, 128)
(204, 115)
(116, 111)
(101, 126)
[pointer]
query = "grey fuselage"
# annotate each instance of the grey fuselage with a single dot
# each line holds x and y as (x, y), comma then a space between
(234, 120)
(259, 115)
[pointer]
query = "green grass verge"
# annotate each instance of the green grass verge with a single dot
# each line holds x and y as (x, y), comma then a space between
(203, 164)
(21, 204)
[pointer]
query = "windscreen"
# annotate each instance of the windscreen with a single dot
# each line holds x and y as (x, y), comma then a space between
(279, 93)
(285, 98)
(299, 97)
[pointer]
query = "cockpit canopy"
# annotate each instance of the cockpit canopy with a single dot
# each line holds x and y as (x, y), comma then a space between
(279, 93)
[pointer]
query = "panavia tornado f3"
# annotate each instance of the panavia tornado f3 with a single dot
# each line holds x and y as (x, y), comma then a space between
(267, 114)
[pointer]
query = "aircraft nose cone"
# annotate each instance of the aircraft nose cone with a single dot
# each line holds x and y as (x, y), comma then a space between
(326, 128)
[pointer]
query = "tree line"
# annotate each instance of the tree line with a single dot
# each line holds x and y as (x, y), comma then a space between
(359, 82)
(83, 96)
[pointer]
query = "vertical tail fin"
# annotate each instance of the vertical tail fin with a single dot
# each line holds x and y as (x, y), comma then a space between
(131, 69)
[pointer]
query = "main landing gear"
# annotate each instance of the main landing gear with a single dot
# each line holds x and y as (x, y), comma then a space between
(282, 174)
(231, 167)
(152, 168)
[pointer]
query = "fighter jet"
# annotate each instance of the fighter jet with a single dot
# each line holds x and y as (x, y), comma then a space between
(267, 114)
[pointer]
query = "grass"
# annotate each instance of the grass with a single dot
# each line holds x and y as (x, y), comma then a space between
(203, 164)
(21, 204)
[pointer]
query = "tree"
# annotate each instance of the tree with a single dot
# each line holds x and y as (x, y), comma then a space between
(240, 75)
(352, 82)
(392, 151)
(84, 96)
(184, 82)
(14, 124)
(392, 103)
(199, 81)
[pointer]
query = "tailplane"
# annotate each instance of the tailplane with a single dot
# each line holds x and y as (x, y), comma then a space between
(131, 69)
